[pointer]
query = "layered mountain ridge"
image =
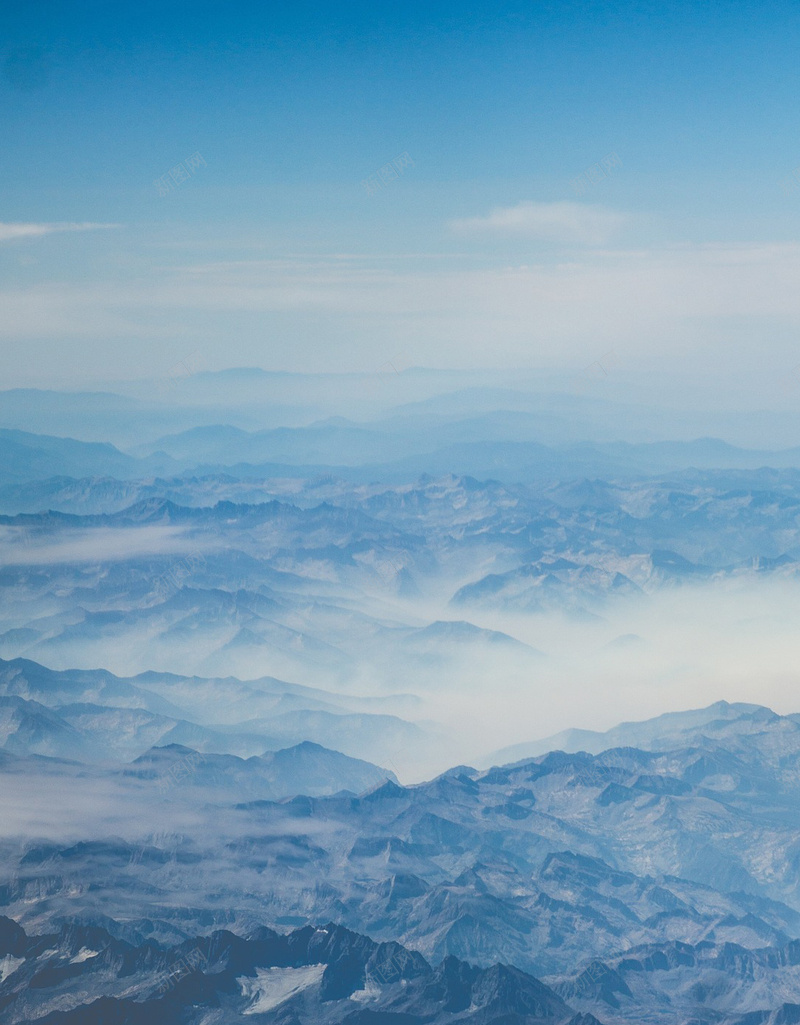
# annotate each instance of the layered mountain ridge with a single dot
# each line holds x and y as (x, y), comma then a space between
(659, 885)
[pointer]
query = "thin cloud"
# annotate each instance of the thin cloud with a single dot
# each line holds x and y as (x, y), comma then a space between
(553, 222)
(703, 310)
(102, 544)
(11, 231)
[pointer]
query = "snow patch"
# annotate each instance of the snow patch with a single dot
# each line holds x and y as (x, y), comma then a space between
(370, 992)
(273, 986)
(83, 955)
(8, 965)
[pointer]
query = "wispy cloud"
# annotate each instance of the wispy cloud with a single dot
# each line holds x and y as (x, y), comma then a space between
(11, 231)
(703, 310)
(103, 544)
(553, 222)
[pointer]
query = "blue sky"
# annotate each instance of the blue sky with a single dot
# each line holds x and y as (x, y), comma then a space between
(496, 244)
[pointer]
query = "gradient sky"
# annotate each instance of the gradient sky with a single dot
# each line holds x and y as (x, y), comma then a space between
(684, 256)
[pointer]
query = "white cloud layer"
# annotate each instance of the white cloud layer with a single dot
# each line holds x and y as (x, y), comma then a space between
(702, 311)
(9, 231)
(106, 544)
(553, 222)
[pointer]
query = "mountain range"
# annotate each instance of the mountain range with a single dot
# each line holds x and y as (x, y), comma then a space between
(325, 974)
(362, 454)
(277, 653)
(657, 884)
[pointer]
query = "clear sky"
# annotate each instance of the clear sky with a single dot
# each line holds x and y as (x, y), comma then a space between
(557, 179)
